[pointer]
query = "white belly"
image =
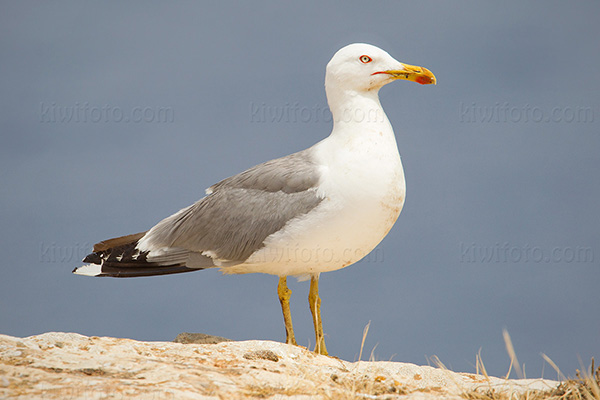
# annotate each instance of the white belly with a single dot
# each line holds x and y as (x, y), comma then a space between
(363, 188)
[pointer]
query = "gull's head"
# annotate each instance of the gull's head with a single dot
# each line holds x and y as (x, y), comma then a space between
(362, 67)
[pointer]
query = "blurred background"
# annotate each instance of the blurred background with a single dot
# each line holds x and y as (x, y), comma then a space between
(116, 115)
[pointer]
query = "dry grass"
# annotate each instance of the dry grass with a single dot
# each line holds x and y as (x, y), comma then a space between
(360, 388)
(584, 386)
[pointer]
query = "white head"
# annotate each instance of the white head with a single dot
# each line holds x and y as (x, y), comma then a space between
(362, 67)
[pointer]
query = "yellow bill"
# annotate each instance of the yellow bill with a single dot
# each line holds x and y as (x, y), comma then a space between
(412, 73)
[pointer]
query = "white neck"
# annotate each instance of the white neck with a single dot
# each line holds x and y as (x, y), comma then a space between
(349, 107)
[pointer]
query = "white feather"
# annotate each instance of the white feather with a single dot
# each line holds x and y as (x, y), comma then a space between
(89, 270)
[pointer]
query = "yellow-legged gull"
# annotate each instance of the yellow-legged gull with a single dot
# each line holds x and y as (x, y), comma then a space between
(314, 211)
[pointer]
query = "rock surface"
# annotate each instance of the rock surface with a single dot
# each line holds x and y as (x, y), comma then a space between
(72, 366)
(199, 338)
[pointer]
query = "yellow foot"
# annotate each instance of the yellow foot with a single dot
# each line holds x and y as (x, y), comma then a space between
(315, 308)
(284, 294)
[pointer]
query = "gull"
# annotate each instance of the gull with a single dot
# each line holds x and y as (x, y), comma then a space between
(318, 210)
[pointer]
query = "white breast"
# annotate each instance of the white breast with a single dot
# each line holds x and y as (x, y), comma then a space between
(363, 189)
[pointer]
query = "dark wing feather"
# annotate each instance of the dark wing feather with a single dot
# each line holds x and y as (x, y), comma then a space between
(230, 223)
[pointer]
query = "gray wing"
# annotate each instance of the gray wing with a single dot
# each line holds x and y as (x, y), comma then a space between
(290, 174)
(238, 213)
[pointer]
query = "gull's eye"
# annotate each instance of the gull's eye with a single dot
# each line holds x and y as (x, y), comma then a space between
(365, 59)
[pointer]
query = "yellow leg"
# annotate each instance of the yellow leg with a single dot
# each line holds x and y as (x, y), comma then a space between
(284, 298)
(315, 308)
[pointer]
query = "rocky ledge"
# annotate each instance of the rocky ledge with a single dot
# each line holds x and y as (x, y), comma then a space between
(72, 366)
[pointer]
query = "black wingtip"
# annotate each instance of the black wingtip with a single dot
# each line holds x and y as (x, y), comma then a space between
(92, 258)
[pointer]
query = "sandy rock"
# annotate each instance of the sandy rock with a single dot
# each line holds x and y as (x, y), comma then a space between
(68, 365)
(199, 338)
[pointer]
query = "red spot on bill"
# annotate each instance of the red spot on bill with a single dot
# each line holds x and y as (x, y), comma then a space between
(424, 80)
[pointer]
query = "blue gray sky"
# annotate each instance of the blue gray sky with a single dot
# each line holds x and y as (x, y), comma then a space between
(115, 115)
